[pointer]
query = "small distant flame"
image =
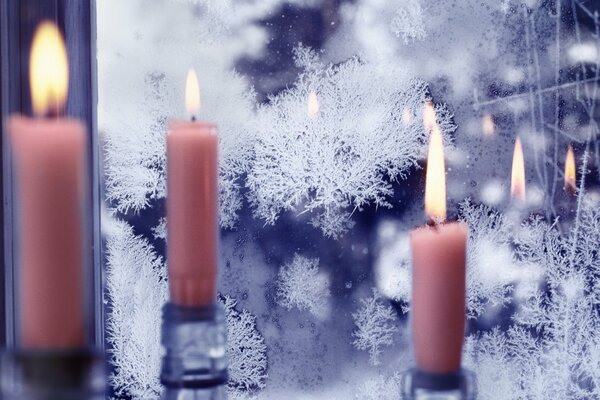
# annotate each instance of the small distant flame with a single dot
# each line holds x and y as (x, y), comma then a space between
(488, 125)
(313, 105)
(570, 174)
(407, 117)
(517, 184)
(429, 119)
(435, 179)
(48, 70)
(192, 94)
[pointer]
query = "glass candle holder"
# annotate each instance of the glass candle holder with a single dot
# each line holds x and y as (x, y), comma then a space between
(195, 362)
(421, 385)
(53, 375)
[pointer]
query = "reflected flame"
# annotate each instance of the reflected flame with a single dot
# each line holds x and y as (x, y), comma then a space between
(48, 70)
(517, 184)
(570, 175)
(313, 105)
(435, 180)
(488, 125)
(192, 93)
(429, 120)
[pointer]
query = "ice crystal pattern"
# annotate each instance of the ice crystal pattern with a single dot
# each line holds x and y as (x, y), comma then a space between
(380, 388)
(552, 348)
(375, 326)
(301, 285)
(408, 23)
(136, 291)
(344, 157)
(246, 350)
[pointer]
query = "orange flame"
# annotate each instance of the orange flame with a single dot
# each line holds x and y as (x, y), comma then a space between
(48, 70)
(570, 174)
(488, 125)
(517, 184)
(313, 105)
(435, 180)
(429, 119)
(192, 93)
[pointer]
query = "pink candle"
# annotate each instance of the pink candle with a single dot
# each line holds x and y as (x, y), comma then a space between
(438, 291)
(192, 206)
(50, 171)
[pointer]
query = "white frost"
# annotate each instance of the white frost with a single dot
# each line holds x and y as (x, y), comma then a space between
(300, 284)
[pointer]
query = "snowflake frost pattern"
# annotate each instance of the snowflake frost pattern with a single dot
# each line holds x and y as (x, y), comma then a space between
(301, 285)
(552, 350)
(247, 351)
(408, 23)
(380, 388)
(137, 291)
(376, 324)
(344, 156)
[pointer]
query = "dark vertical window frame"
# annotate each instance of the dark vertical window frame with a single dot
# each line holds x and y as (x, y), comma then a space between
(77, 21)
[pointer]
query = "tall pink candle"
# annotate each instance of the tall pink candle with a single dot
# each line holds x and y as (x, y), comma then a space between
(49, 161)
(438, 291)
(192, 207)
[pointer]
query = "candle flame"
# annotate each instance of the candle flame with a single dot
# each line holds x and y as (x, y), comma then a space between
(488, 125)
(192, 93)
(435, 180)
(313, 105)
(570, 177)
(517, 184)
(48, 70)
(429, 119)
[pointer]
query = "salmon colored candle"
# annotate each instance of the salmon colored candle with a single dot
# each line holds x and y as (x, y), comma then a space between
(192, 206)
(49, 160)
(438, 260)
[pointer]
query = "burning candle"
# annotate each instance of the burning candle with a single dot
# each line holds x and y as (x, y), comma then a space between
(570, 177)
(517, 181)
(438, 260)
(50, 172)
(192, 205)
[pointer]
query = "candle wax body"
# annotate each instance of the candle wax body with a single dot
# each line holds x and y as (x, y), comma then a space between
(50, 174)
(192, 212)
(438, 296)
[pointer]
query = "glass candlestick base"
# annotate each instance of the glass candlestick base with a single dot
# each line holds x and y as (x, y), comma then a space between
(420, 385)
(53, 375)
(194, 366)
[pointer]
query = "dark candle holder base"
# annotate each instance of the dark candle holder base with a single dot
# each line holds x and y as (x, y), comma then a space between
(195, 363)
(53, 375)
(420, 385)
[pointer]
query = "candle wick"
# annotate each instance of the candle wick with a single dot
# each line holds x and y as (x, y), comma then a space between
(431, 222)
(53, 113)
(193, 118)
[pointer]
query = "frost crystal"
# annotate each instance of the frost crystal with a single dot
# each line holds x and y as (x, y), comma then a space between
(246, 350)
(136, 292)
(344, 157)
(552, 349)
(380, 388)
(408, 23)
(375, 326)
(301, 285)
(490, 262)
